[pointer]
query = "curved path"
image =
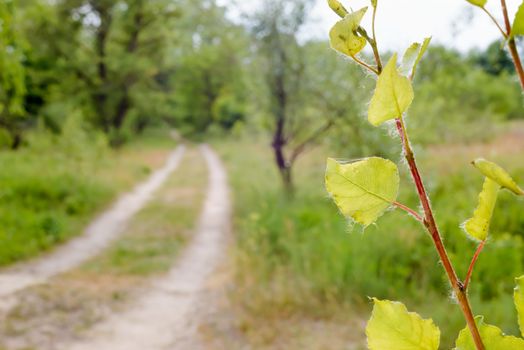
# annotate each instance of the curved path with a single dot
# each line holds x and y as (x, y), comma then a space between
(162, 318)
(97, 236)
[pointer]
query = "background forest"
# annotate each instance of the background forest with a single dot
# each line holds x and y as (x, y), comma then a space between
(89, 88)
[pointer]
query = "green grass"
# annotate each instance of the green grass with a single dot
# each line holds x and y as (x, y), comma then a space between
(302, 256)
(51, 189)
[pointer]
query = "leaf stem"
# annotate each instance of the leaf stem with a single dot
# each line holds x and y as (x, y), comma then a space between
(490, 15)
(472, 265)
(512, 46)
(431, 226)
(409, 211)
(374, 46)
(365, 65)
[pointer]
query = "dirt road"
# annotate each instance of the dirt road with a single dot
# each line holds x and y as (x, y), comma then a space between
(165, 317)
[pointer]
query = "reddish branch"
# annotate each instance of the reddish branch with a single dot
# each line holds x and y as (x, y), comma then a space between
(472, 265)
(431, 226)
(512, 45)
(409, 211)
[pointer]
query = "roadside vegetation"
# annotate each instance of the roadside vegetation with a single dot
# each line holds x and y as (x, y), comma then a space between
(59, 311)
(300, 259)
(52, 188)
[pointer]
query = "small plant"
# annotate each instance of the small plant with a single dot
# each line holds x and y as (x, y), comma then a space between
(365, 189)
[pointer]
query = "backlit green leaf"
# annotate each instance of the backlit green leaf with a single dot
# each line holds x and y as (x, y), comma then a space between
(412, 57)
(374, 3)
(519, 302)
(343, 36)
(338, 8)
(498, 174)
(392, 96)
(518, 22)
(492, 337)
(392, 327)
(478, 226)
(363, 190)
(479, 3)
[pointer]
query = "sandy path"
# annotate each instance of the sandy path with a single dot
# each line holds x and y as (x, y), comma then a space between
(164, 317)
(97, 236)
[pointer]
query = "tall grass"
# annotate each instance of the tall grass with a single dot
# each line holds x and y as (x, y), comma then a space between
(52, 187)
(301, 255)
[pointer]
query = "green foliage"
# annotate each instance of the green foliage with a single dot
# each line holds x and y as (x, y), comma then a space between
(498, 175)
(492, 337)
(479, 3)
(209, 76)
(53, 187)
(412, 57)
(452, 92)
(12, 73)
(518, 23)
(478, 226)
(344, 37)
(338, 8)
(392, 327)
(392, 97)
(363, 190)
(519, 302)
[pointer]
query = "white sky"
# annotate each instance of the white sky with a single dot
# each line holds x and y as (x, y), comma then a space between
(453, 23)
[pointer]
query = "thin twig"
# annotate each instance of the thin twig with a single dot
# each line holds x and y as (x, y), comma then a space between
(365, 65)
(409, 211)
(504, 34)
(374, 46)
(472, 265)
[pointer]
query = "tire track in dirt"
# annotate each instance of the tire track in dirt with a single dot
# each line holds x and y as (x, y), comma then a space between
(166, 316)
(98, 235)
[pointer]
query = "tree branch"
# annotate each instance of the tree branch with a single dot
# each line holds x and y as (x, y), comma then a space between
(432, 228)
(512, 46)
(315, 135)
(472, 265)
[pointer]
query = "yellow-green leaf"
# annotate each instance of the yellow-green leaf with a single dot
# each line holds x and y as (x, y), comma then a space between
(374, 3)
(412, 57)
(392, 327)
(344, 37)
(392, 96)
(491, 336)
(518, 23)
(478, 226)
(498, 174)
(519, 302)
(363, 190)
(479, 3)
(338, 8)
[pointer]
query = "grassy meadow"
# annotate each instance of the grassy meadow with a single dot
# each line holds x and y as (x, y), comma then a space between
(300, 257)
(53, 187)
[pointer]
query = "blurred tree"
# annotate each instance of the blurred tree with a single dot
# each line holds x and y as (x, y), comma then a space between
(12, 77)
(305, 94)
(452, 93)
(209, 75)
(110, 53)
(494, 60)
